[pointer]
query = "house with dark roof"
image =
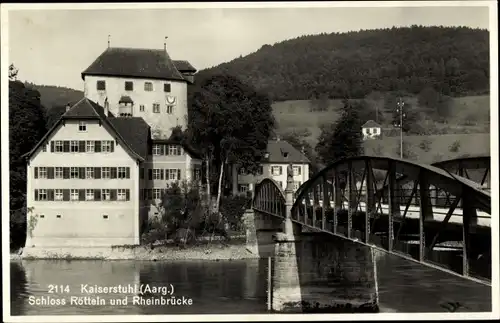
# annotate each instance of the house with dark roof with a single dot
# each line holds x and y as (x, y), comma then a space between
(94, 177)
(371, 130)
(143, 83)
(279, 155)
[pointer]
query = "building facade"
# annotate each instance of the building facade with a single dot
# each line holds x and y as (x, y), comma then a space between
(279, 155)
(98, 174)
(371, 130)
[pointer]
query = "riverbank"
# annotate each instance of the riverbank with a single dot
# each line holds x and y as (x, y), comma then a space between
(209, 251)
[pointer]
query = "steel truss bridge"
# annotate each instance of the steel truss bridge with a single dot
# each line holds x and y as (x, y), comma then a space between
(412, 210)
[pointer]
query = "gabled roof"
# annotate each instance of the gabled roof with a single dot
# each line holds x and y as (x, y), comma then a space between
(184, 66)
(135, 62)
(371, 124)
(277, 150)
(128, 131)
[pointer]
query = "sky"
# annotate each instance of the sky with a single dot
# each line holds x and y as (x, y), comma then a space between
(53, 47)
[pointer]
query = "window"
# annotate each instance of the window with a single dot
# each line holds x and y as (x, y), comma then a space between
(89, 195)
(156, 108)
(170, 109)
(173, 174)
(148, 86)
(166, 87)
(121, 195)
(280, 183)
(89, 172)
(296, 170)
(106, 146)
(296, 185)
(44, 148)
(156, 173)
(156, 150)
(174, 150)
(243, 188)
(82, 126)
(73, 146)
(42, 216)
(276, 170)
(260, 171)
(58, 172)
(106, 172)
(74, 195)
(58, 195)
(197, 174)
(105, 194)
(122, 172)
(59, 146)
(141, 108)
(129, 86)
(156, 194)
(90, 146)
(101, 85)
(242, 171)
(42, 195)
(73, 173)
(104, 216)
(42, 172)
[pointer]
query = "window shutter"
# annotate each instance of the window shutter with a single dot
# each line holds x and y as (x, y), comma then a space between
(36, 194)
(66, 146)
(50, 172)
(81, 195)
(66, 195)
(52, 146)
(162, 150)
(112, 194)
(300, 170)
(167, 150)
(178, 174)
(113, 172)
(141, 171)
(97, 172)
(127, 170)
(97, 146)
(150, 174)
(112, 146)
(50, 194)
(162, 173)
(36, 172)
(150, 194)
(81, 146)
(127, 195)
(97, 194)
(81, 172)
(65, 172)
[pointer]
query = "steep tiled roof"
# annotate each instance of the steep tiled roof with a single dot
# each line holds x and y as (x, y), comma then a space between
(134, 62)
(370, 124)
(279, 148)
(136, 133)
(184, 66)
(131, 132)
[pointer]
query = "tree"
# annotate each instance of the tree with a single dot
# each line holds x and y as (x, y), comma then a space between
(231, 122)
(13, 72)
(434, 103)
(27, 126)
(341, 139)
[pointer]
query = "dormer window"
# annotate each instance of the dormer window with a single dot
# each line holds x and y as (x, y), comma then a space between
(266, 155)
(285, 154)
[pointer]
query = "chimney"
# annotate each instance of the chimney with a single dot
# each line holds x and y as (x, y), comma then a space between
(68, 106)
(165, 44)
(106, 107)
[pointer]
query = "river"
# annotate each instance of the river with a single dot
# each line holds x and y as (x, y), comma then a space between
(218, 287)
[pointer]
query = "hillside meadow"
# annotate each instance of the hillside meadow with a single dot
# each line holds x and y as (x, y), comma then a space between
(471, 114)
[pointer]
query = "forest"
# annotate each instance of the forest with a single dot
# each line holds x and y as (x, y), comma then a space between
(453, 61)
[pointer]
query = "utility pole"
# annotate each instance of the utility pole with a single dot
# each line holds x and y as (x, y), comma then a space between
(399, 110)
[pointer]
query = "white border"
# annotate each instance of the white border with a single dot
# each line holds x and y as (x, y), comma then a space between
(493, 23)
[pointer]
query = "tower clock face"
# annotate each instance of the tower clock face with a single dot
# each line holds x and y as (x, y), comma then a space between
(171, 100)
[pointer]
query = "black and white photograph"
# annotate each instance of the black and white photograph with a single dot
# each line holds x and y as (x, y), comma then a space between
(250, 161)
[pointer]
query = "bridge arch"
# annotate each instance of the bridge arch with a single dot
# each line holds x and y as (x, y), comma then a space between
(269, 198)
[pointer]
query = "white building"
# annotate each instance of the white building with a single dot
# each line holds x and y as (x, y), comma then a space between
(279, 155)
(371, 130)
(95, 176)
